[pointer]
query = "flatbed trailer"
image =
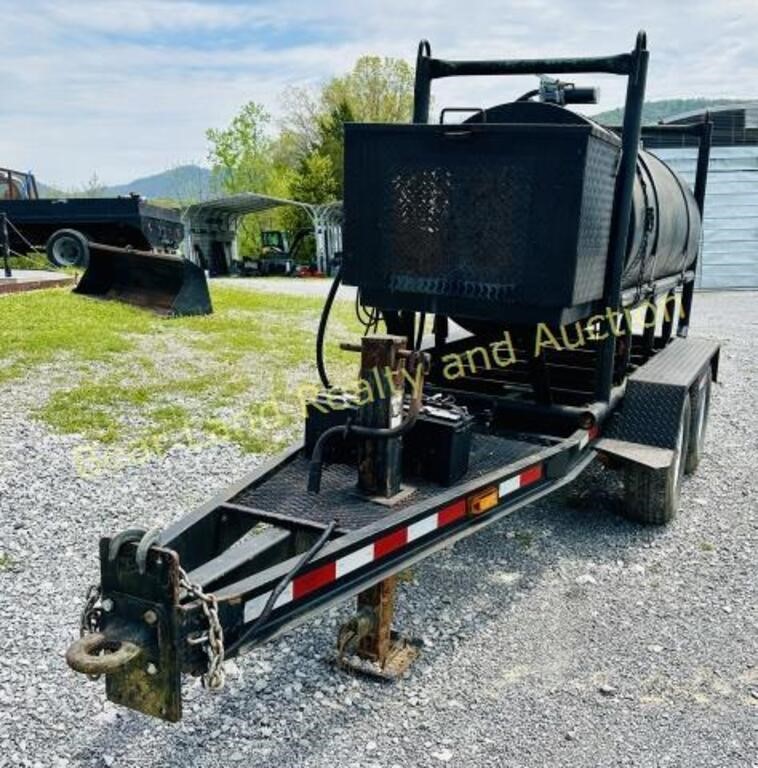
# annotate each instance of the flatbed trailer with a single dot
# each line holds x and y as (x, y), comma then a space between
(278, 547)
(123, 222)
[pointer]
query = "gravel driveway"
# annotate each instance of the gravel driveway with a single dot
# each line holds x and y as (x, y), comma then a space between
(310, 286)
(561, 636)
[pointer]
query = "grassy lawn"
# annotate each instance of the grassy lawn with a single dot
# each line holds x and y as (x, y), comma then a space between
(134, 384)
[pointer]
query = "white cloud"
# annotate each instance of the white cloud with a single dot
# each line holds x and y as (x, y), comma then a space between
(126, 88)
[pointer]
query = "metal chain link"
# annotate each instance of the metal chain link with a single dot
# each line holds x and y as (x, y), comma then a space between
(215, 676)
(92, 612)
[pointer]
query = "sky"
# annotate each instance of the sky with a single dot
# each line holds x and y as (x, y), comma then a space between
(126, 88)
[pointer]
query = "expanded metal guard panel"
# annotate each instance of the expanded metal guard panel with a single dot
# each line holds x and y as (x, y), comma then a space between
(286, 494)
(477, 219)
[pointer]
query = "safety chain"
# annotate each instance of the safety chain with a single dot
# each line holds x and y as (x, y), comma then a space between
(215, 676)
(92, 612)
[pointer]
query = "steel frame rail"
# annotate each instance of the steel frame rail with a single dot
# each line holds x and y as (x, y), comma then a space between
(168, 624)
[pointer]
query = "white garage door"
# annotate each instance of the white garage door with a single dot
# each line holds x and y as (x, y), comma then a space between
(730, 248)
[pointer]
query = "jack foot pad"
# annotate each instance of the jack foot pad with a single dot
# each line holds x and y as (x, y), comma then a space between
(400, 655)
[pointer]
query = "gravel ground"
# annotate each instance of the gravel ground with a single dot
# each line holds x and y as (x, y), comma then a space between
(311, 286)
(562, 636)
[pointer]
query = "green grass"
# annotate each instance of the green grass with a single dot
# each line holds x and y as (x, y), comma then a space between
(38, 260)
(135, 383)
(6, 561)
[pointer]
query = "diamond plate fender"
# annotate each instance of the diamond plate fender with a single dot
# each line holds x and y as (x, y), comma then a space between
(656, 391)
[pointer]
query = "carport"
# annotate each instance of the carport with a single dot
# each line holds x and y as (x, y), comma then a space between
(212, 226)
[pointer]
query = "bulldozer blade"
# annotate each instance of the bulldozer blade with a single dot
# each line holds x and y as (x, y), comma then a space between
(166, 283)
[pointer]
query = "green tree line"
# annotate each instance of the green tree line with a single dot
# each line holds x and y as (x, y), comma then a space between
(302, 157)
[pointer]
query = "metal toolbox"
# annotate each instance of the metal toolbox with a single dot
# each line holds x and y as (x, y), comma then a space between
(503, 222)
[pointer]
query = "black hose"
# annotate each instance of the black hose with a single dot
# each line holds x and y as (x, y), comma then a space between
(529, 95)
(420, 333)
(322, 328)
(282, 585)
(317, 457)
(378, 433)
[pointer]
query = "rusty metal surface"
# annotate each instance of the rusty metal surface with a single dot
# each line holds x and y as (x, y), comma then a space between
(285, 492)
(379, 461)
(144, 613)
(380, 599)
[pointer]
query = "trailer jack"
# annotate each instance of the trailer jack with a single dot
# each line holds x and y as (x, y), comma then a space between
(366, 644)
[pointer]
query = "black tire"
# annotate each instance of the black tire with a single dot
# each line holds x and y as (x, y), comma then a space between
(652, 496)
(700, 401)
(67, 248)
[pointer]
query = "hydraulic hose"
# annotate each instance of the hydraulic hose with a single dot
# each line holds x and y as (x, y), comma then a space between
(350, 428)
(282, 585)
(325, 312)
(377, 433)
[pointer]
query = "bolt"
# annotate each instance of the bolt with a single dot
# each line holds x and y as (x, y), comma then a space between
(151, 669)
(107, 605)
(150, 616)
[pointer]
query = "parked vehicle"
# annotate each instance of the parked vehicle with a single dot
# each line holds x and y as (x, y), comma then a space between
(128, 247)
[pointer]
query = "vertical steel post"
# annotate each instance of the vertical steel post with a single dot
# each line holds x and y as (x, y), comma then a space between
(701, 178)
(380, 600)
(379, 470)
(630, 140)
(6, 245)
(422, 88)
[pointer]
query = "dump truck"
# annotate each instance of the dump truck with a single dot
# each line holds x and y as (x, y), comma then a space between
(128, 246)
(549, 253)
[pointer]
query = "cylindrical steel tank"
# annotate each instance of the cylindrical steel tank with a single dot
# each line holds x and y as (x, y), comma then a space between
(665, 226)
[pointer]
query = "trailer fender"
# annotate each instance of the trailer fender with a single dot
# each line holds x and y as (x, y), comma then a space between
(636, 453)
(655, 394)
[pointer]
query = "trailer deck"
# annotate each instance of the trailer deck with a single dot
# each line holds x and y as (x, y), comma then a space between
(339, 499)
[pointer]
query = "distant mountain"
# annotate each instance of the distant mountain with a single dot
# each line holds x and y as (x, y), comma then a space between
(654, 111)
(183, 183)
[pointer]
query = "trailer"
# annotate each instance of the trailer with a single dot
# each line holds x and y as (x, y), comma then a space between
(128, 247)
(449, 432)
(48, 223)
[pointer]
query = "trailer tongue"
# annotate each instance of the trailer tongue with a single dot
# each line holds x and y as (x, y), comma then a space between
(442, 439)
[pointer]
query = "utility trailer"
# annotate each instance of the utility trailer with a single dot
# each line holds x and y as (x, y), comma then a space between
(444, 437)
(128, 246)
(127, 221)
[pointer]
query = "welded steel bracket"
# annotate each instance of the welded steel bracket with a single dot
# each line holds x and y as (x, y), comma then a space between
(636, 453)
(143, 609)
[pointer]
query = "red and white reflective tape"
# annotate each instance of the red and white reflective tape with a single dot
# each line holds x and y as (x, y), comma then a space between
(519, 481)
(327, 573)
(590, 435)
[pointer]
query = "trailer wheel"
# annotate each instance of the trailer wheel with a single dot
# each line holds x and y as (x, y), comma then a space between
(652, 496)
(700, 398)
(67, 248)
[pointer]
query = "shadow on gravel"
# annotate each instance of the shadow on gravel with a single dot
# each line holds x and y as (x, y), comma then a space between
(581, 525)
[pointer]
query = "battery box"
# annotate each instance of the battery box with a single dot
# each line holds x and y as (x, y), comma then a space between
(438, 446)
(436, 449)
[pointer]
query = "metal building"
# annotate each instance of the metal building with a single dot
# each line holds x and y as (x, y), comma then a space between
(730, 248)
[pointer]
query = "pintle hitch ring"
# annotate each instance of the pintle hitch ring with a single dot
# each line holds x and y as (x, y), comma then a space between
(86, 654)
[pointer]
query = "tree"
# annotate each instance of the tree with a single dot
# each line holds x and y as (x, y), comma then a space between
(243, 159)
(377, 90)
(93, 188)
(241, 154)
